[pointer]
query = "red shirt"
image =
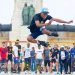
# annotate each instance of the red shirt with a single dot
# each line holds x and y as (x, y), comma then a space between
(3, 52)
(0, 51)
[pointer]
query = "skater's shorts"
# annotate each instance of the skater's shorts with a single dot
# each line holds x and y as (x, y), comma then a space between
(36, 33)
(16, 60)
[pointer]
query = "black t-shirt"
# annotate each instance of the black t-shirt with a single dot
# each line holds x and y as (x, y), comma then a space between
(9, 50)
(19, 48)
(37, 17)
(54, 52)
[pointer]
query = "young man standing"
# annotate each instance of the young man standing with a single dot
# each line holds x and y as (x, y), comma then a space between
(39, 58)
(10, 55)
(27, 57)
(72, 53)
(33, 60)
(46, 56)
(38, 23)
(4, 56)
(19, 49)
(63, 56)
(55, 57)
(16, 57)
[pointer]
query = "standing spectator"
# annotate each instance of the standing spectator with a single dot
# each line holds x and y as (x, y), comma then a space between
(16, 59)
(19, 49)
(55, 57)
(46, 55)
(68, 60)
(39, 58)
(4, 56)
(63, 56)
(72, 52)
(27, 56)
(22, 59)
(33, 60)
(10, 55)
(0, 59)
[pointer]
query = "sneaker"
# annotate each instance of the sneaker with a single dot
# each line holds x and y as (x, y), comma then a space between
(17, 72)
(54, 34)
(6, 70)
(35, 72)
(69, 72)
(43, 43)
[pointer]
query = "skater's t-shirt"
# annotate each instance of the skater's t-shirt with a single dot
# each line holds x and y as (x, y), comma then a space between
(15, 51)
(4, 51)
(27, 52)
(39, 53)
(37, 17)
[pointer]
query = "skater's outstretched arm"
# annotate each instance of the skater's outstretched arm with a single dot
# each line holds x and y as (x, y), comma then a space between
(62, 21)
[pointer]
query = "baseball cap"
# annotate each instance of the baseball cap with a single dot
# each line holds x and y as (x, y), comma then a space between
(44, 10)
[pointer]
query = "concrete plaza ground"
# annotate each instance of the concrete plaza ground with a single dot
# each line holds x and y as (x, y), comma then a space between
(32, 73)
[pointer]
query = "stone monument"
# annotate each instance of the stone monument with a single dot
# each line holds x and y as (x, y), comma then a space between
(31, 12)
(25, 13)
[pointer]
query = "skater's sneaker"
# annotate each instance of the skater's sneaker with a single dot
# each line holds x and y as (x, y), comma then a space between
(43, 43)
(54, 34)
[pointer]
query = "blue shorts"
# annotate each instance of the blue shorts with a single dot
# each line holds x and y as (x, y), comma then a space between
(16, 60)
(36, 34)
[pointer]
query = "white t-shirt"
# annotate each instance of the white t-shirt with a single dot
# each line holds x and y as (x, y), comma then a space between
(62, 55)
(27, 52)
(15, 50)
(39, 53)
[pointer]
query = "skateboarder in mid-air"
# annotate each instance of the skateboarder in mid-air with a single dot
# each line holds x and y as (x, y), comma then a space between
(38, 23)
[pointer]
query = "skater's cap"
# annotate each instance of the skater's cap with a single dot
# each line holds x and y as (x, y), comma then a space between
(44, 10)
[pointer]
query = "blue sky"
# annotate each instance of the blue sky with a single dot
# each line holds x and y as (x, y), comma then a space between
(64, 9)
